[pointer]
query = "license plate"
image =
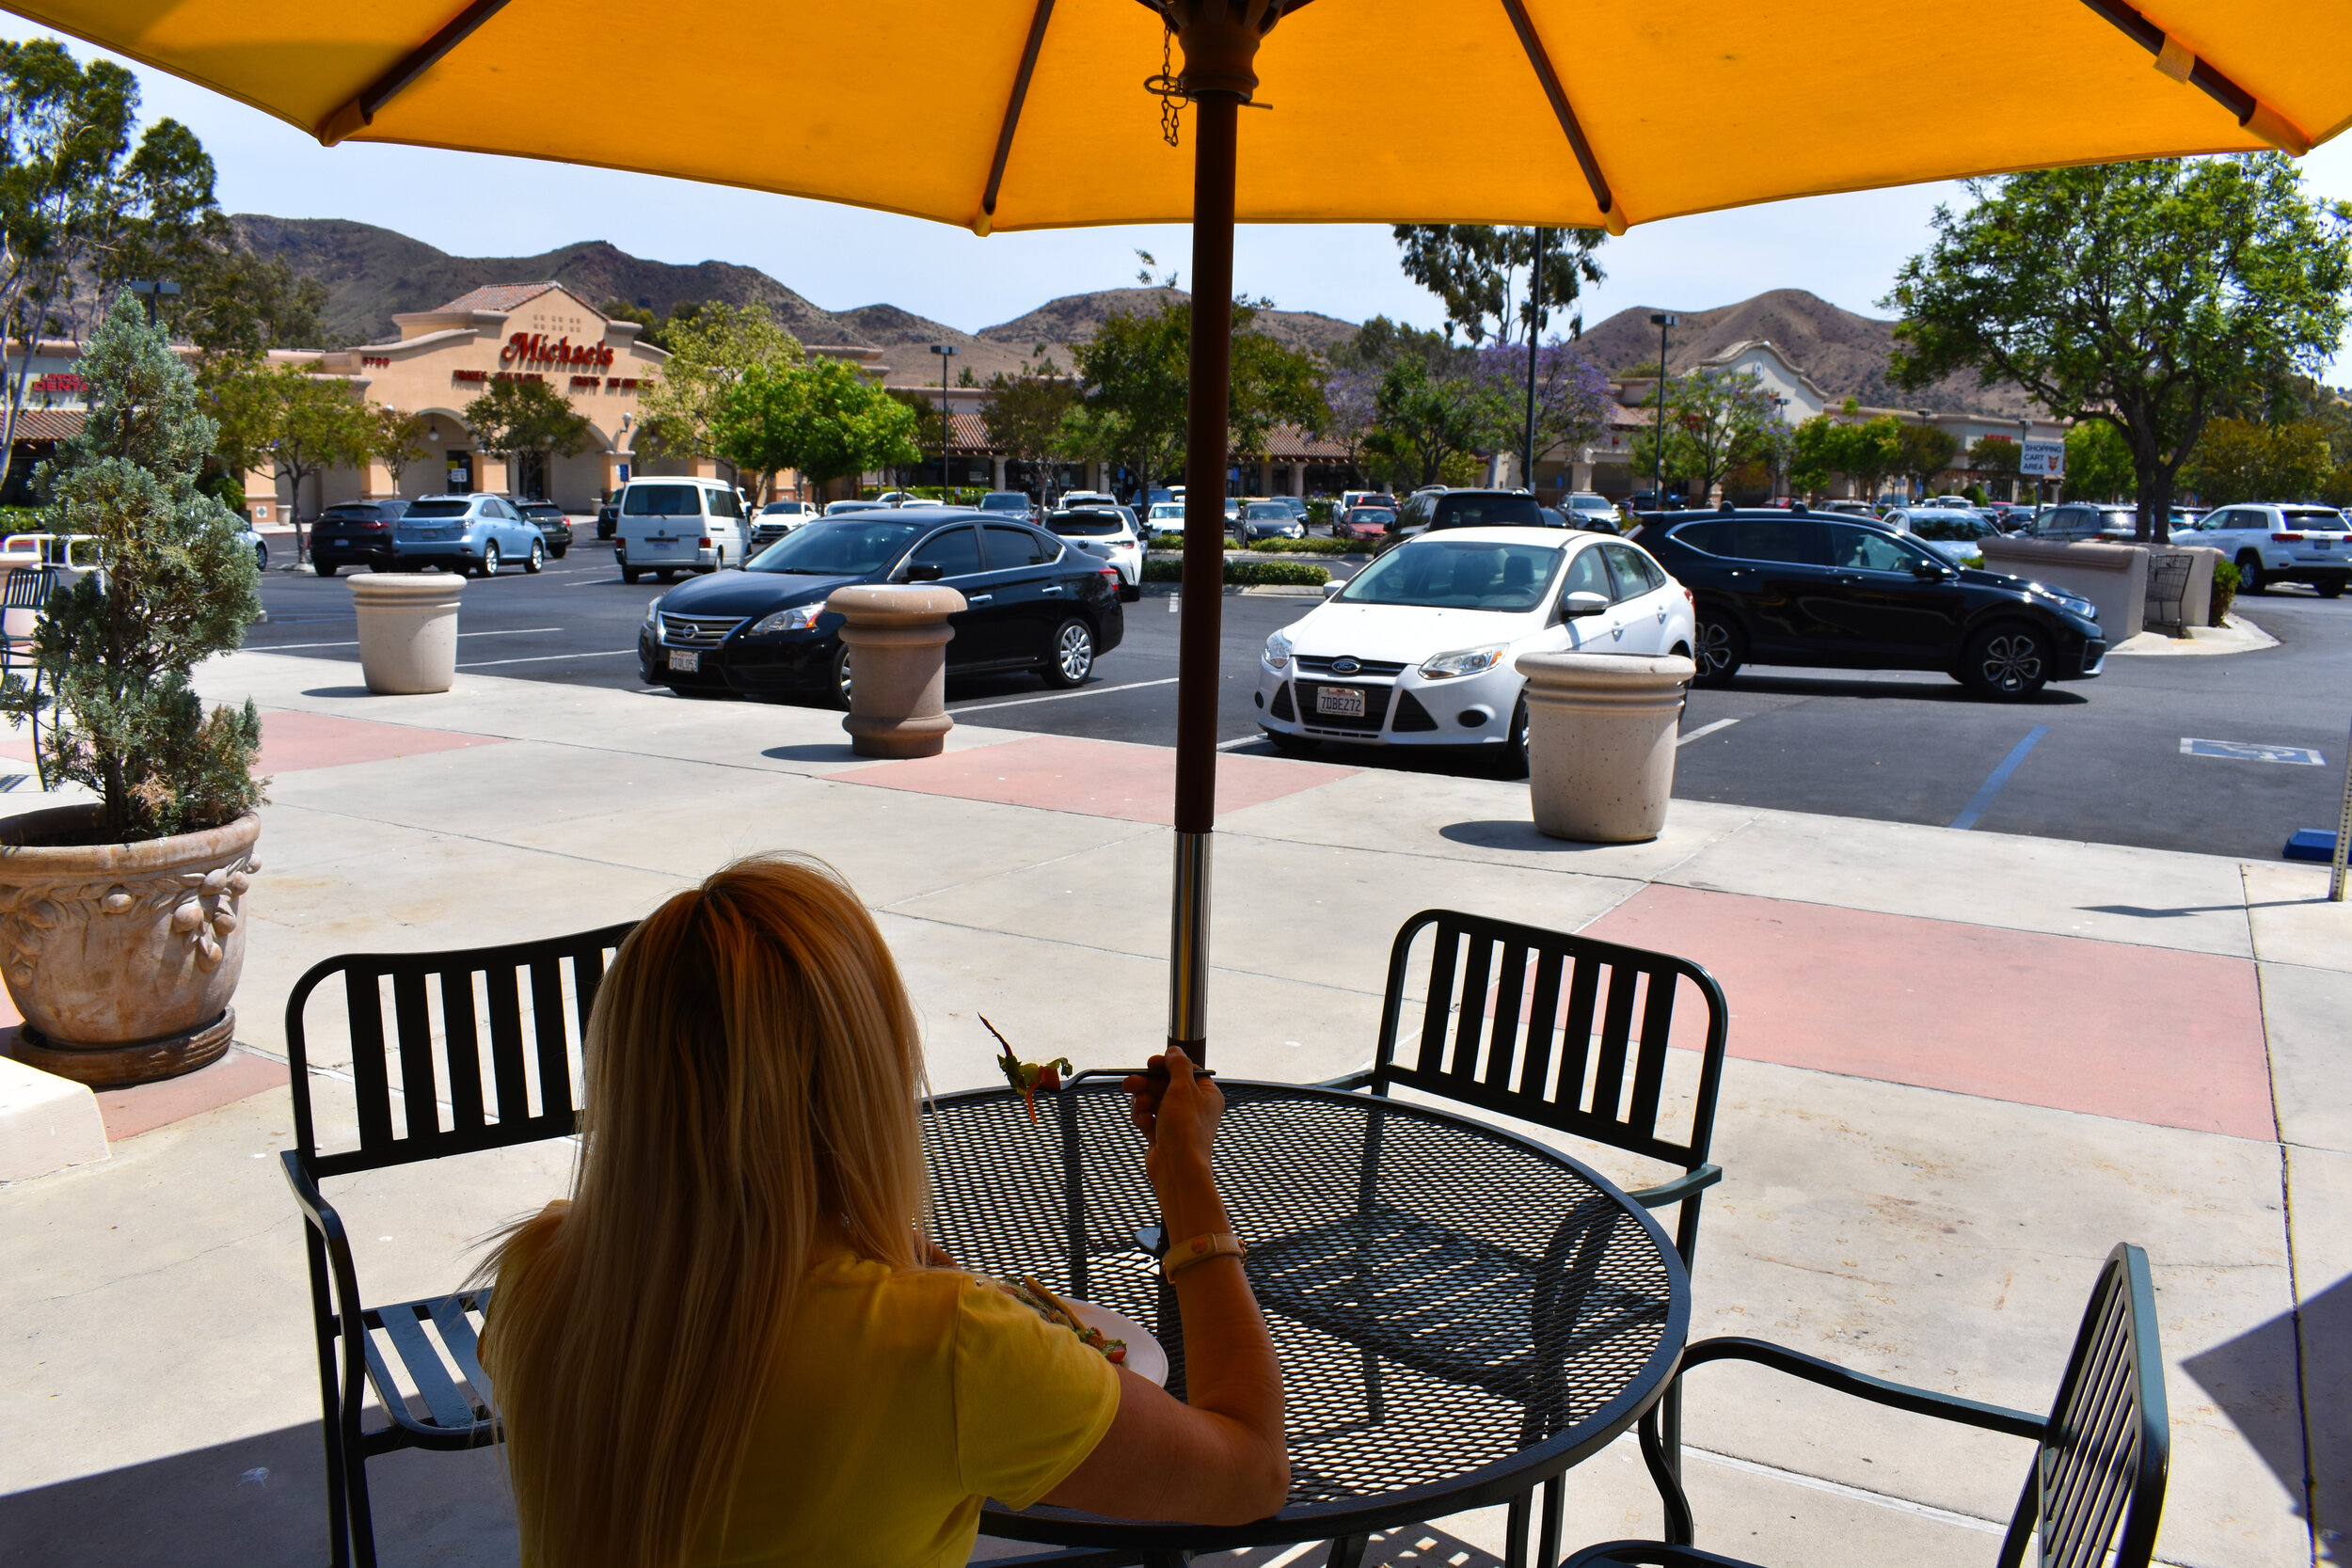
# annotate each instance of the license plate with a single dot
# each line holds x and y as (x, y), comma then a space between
(2323, 544)
(1340, 702)
(685, 664)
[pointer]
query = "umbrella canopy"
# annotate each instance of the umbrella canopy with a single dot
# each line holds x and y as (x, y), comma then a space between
(1419, 111)
(1564, 113)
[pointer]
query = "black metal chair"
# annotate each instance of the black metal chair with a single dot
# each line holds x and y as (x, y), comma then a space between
(441, 1105)
(2105, 1447)
(1567, 1033)
(26, 588)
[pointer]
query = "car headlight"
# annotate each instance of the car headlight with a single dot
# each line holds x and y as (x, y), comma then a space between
(1277, 652)
(1464, 661)
(653, 614)
(801, 617)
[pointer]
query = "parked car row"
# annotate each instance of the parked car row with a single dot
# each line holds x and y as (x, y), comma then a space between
(472, 533)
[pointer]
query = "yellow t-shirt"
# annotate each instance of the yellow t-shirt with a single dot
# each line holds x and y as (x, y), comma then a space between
(903, 1400)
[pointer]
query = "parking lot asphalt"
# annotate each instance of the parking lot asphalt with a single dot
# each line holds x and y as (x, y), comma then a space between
(2099, 761)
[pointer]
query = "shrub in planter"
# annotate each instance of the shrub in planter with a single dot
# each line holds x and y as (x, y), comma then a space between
(2224, 588)
(121, 932)
(1268, 573)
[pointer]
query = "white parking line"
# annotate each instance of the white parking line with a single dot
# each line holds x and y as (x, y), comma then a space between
(1058, 696)
(283, 647)
(549, 658)
(1707, 730)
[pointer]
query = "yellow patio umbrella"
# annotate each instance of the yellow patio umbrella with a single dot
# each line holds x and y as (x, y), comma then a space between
(1564, 113)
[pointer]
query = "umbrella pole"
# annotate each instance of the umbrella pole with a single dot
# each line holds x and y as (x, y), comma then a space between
(1200, 631)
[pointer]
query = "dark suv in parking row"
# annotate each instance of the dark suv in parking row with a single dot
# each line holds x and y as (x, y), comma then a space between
(1798, 587)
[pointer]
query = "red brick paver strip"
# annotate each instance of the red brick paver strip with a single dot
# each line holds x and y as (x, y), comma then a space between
(1091, 778)
(2142, 1034)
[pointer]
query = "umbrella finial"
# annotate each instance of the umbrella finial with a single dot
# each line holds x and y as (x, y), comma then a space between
(1220, 42)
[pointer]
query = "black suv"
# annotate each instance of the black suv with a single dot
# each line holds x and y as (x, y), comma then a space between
(1798, 587)
(355, 533)
(1034, 603)
(1433, 509)
(555, 528)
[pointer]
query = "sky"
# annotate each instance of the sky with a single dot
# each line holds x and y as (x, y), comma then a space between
(1845, 249)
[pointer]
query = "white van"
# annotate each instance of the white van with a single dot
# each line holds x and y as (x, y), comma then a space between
(668, 526)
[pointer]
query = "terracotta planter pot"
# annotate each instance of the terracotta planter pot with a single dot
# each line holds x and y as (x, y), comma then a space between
(407, 630)
(1601, 743)
(898, 640)
(122, 957)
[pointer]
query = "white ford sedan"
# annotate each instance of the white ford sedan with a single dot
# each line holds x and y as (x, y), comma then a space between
(1419, 648)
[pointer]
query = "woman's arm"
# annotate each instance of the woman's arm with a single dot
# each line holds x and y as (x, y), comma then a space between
(1218, 1459)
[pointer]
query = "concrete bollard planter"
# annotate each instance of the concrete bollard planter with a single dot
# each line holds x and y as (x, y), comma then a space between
(896, 639)
(1601, 743)
(407, 630)
(2112, 576)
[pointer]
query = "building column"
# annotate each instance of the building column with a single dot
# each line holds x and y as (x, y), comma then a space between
(996, 473)
(1580, 475)
(489, 474)
(1298, 480)
(380, 480)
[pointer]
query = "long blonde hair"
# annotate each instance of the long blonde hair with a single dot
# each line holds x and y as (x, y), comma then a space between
(752, 1072)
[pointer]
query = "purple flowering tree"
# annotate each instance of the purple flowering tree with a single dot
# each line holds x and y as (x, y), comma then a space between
(1571, 392)
(1354, 397)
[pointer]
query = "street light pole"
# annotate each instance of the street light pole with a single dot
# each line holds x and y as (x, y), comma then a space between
(1534, 329)
(151, 288)
(946, 353)
(1658, 436)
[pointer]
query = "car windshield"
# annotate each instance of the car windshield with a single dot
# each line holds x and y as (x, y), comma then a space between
(781, 509)
(1268, 511)
(1167, 508)
(661, 500)
(855, 546)
(439, 509)
(1371, 514)
(1085, 525)
(2325, 519)
(1004, 503)
(1458, 574)
(1475, 510)
(348, 514)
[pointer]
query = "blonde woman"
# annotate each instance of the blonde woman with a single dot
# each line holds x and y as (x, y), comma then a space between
(733, 1344)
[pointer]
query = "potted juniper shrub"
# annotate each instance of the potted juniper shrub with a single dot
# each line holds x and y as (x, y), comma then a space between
(121, 927)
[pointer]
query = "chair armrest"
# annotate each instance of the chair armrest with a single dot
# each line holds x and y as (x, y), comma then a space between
(1688, 1184)
(1610, 1553)
(1902, 1396)
(321, 1216)
(1354, 1080)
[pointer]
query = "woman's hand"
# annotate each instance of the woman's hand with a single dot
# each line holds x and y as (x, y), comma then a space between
(1180, 1118)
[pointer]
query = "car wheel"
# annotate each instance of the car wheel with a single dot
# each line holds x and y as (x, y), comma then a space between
(326, 569)
(666, 575)
(562, 550)
(2007, 661)
(839, 690)
(491, 559)
(2333, 589)
(628, 574)
(1131, 592)
(1070, 660)
(538, 558)
(1723, 648)
(260, 558)
(2249, 575)
(1514, 762)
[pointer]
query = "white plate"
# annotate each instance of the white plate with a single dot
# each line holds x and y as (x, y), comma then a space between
(1145, 1358)
(685, 664)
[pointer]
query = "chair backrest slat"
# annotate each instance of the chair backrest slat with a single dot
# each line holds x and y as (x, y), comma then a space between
(447, 1059)
(2105, 1461)
(463, 1059)
(1511, 1006)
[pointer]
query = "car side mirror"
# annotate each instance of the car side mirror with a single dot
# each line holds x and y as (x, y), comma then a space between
(1929, 569)
(925, 571)
(1582, 603)
(1331, 590)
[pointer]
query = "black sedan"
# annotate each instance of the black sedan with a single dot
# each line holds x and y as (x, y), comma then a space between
(555, 528)
(1799, 587)
(1034, 604)
(355, 533)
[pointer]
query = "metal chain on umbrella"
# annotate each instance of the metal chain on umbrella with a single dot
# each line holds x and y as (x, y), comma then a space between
(1169, 91)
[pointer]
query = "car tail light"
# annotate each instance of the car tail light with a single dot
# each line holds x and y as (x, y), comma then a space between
(1110, 575)
(704, 542)
(1688, 599)
(2286, 538)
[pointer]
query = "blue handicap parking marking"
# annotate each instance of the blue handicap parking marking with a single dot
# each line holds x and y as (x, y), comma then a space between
(2252, 750)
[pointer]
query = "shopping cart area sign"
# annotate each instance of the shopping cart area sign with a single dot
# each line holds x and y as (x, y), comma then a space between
(2041, 460)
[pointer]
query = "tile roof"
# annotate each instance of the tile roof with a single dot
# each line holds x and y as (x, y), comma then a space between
(49, 425)
(498, 296)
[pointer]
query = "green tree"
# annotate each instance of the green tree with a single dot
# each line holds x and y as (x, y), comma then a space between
(1710, 417)
(2249, 460)
(816, 415)
(1873, 450)
(1475, 269)
(2098, 464)
(2148, 297)
(115, 651)
(1027, 412)
(516, 419)
(399, 441)
(713, 347)
(1424, 424)
(1924, 450)
(1997, 458)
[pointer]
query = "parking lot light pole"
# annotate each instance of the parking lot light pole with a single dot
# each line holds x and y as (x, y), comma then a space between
(1657, 441)
(1535, 333)
(946, 353)
(155, 289)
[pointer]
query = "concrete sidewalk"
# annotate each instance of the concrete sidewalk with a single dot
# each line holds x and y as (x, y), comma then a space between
(1964, 1066)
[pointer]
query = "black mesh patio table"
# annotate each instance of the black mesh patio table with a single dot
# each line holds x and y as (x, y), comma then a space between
(1460, 1313)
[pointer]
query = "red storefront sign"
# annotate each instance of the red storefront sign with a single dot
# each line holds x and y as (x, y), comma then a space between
(59, 381)
(532, 348)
